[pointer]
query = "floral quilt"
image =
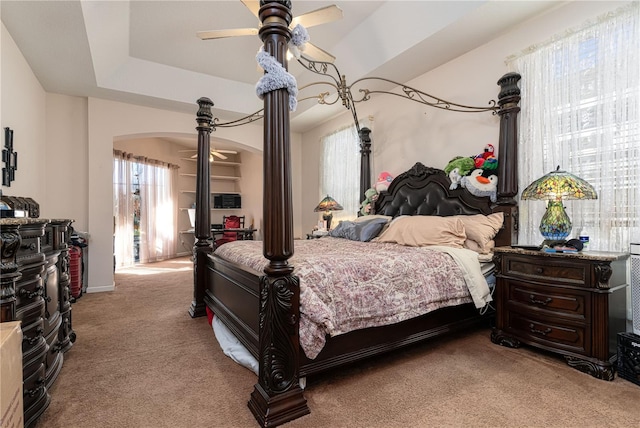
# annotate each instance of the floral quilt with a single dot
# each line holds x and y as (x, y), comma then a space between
(349, 285)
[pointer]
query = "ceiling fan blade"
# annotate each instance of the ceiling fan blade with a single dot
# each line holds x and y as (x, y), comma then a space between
(233, 152)
(218, 154)
(221, 34)
(194, 156)
(253, 6)
(315, 53)
(318, 16)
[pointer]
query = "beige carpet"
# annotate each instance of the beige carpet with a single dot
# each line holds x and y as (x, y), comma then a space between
(141, 361)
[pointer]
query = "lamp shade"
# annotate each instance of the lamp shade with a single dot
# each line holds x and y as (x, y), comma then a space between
(559, 185)
(328, 204)
(555, 187)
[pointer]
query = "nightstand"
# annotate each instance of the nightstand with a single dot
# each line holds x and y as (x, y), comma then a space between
(573, 304)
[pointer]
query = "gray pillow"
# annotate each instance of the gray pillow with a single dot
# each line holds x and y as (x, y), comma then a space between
(359, 231)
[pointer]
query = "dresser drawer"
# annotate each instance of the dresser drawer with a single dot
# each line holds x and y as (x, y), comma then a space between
(547, 269)
(550, 301)
(34, 387)
(551, 334)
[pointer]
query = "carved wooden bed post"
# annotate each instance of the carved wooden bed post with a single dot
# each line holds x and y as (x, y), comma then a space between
(508, 100)
(365, 164)
(277, 397)
(203, 245)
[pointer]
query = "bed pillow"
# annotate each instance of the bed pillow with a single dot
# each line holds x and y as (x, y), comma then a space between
(366, 218)
(481, 229)
(419, 231)
(362, 230)
(474, 246)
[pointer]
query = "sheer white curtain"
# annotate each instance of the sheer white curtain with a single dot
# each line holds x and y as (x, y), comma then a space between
(580, 110)
(123, 210)
(340, 172)
(158, 195)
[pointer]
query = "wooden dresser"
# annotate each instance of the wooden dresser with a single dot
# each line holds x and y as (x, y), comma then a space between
(572, 304)
(35, 291)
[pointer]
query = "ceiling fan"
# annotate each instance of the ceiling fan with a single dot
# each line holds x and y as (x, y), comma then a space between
(217, 153)
(310, 19)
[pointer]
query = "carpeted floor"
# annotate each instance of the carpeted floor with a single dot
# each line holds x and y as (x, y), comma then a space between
(141, 361)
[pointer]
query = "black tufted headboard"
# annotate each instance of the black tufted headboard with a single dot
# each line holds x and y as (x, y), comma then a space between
(425, 191)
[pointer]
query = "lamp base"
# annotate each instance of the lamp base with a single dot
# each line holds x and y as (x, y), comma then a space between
(555, 223)
(327, 218)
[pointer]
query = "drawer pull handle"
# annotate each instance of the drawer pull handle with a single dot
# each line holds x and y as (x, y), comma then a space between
(33, 340)
(31, 294)
(535, 301)
(540, 332)
(539, 270)
(39, 387)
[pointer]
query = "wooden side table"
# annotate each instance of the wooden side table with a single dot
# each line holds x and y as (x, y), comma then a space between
(572, 304)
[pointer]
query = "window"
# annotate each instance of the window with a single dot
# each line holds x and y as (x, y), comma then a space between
(340, 172)
(145, 211)
(580, 110)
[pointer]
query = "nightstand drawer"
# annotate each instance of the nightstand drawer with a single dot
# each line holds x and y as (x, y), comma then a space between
(546, 269)
(550, 334)
(549, 300)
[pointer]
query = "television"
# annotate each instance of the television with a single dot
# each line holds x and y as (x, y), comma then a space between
(227, 201)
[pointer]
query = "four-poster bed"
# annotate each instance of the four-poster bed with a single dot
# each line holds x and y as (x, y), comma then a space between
(262, 309)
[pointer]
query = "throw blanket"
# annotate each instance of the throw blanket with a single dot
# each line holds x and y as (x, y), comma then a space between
(349, 285)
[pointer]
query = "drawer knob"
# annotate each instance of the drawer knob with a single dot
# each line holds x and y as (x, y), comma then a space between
(535, 301)
(540, 332)
(31, 246)
(539, 270)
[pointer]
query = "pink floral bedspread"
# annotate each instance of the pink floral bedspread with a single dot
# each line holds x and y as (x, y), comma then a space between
(348, 285)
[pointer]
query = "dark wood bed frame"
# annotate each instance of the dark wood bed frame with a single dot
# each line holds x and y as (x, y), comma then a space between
(262, 308)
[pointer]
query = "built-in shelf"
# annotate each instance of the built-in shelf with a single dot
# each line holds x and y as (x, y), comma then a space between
(220, 163)
(214, 209)
(214, 177)
(224, 174)
(212, 192)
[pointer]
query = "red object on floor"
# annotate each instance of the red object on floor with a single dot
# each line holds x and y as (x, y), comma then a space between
(210, 316)
(75, 271)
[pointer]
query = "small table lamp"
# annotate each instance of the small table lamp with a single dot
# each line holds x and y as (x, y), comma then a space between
(327, 205)
(555, 187)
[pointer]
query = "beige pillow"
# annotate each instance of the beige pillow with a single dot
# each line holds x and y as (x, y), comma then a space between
(474, 246)
(418, 231)
(482, 229)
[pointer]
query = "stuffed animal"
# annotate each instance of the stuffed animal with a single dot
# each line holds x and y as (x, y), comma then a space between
(457, 168)
(481, 183)
(384, 180)
(371, 195)
(490, 164)
(480, 159)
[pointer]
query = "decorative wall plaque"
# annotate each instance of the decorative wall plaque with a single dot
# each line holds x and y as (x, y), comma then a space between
(10, 159)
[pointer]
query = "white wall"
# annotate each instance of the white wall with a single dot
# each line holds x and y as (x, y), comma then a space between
(24, 111)
(405, 132)
(66, 160)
